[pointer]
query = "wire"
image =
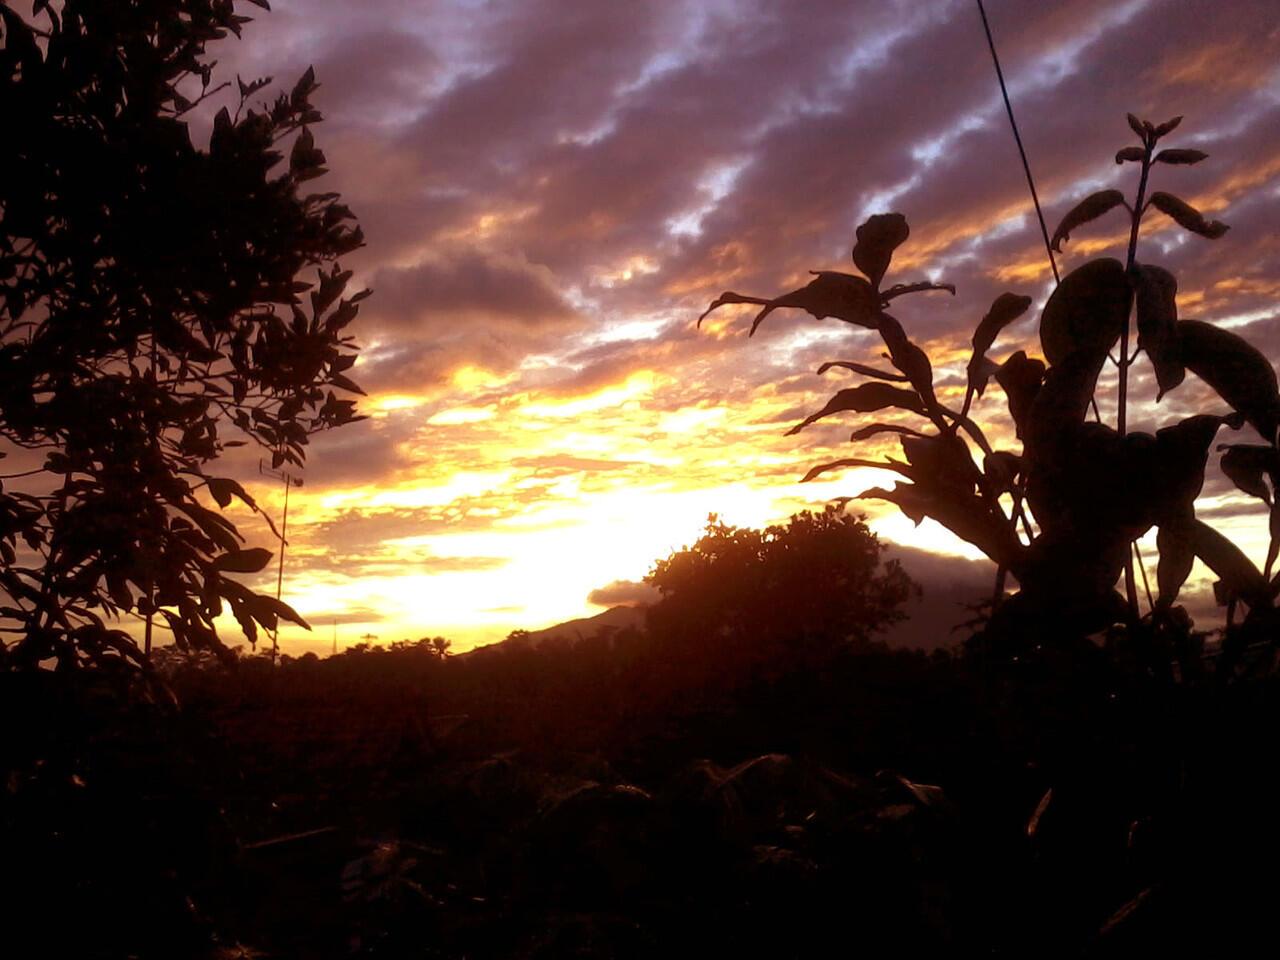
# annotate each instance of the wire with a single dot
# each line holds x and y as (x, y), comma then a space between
(1044, 231)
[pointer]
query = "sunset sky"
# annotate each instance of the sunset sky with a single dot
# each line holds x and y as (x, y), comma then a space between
(553, 190)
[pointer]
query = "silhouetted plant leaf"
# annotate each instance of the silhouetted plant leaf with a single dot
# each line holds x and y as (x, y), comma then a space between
(1090, 208)
(1237, 572)
(872, 429)
(908, 358)
(1001, 469)
(1136, 126)
(863, 369)
(1130, 154)
(223, 489)
(1004, 310)
(1020, 377)
(877, 238)
(1167, 127)
(852, 462)
(830, 294)
(1086, 312)
(942, 462)
(267, 610)
(1245, 464)
(243, 561)
(1181, 452)
(1156, 291)
(1238, 371)
(1180, 156)
(1187, 216)
(864, 399)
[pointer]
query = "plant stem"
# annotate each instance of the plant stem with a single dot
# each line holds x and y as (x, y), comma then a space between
(1122, 398)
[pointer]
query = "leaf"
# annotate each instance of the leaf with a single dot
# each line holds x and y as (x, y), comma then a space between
(338, 380)
(1156, 290)
(908, 358)
(1177, 556)
(862, 369)
(1180, 156)
(1241, 375)
(1187, 216)
(1136, 126)
(1130, 154)
(865, 399)
(1001, 469)
(267, 609)
(1167, 127)
(1020, 377)
(942, 462)
(851, 462)
(1004, 310)
(222, 489)
(243, 561)
(1236, 571)
(830, 294)
(1246, 463)
(864, 433)
(877, 238)
(1086, 312)
(1090, 208)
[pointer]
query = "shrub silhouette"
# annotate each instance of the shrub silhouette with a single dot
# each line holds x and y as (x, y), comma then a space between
(149, 299)
(1062, 513)
(813, 583)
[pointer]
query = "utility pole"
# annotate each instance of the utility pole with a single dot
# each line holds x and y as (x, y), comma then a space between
(289, 481)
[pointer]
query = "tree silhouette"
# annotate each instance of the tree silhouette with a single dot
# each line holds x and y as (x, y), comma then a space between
(813, 584)
(149, 301)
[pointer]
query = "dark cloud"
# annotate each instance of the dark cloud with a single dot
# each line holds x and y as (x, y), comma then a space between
(620, 593)
(465, 287)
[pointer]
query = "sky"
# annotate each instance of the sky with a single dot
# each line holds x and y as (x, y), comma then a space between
(553, 190)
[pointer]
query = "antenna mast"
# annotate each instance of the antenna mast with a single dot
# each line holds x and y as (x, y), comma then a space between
(289, 481)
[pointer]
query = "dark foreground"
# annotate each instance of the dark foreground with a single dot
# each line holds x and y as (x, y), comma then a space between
(596, 802)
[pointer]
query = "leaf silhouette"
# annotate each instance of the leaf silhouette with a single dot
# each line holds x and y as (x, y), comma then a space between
(243, 561)
(829, 294)
(1245, 464)
(863, 369)
(1177, 555)
(1187, 216)
(1156, 290)
(1086, 312)
(864, 399)
(1236, 571)
(877, 238)
(1130, 154)
(1180, 156)
(1237, 370)
(1090, 208)
(872, 429)
(1020, 377)
(908, 358)
(1004, 310)
(850, 462)
(1001, 468)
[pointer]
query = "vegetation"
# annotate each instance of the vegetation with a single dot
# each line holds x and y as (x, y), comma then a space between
(752, 774)
(1063, 513)
(149, 304)
(779, 593)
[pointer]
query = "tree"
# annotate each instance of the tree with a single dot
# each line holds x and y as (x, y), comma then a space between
(814, 584)
(149, 304)
(1064, 513)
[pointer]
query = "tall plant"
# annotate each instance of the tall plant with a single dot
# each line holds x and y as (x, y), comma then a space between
(1063, 514)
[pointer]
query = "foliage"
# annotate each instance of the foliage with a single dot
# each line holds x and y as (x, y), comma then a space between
(150, 300)
(1062, 513)
(813, 582)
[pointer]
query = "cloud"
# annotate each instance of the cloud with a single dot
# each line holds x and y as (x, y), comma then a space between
(468, 286)
(623, 593)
